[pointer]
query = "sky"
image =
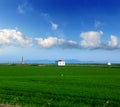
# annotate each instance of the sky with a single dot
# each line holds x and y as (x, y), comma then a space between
(86, 30)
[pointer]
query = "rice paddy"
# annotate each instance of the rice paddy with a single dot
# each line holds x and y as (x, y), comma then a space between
(52, 86)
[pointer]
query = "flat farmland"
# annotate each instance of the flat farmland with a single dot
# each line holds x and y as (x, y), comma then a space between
(52, 86)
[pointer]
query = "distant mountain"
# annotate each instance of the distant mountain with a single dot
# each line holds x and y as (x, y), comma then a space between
(39, 61)
(71, 61)
(68, 61)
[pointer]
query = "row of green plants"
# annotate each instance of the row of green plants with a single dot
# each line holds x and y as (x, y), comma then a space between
(51, 86)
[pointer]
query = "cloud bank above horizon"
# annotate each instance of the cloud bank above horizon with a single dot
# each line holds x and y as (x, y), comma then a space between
(88, 40)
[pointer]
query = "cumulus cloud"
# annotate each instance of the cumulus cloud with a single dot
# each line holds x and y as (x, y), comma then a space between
(47, 42)
(13, 37)
(113, 43)
(91, 39)
(55, 42)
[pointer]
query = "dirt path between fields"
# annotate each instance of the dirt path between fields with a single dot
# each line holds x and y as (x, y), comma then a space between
(6, 105)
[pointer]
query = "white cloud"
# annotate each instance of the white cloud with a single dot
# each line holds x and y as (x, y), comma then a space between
(44, 14)
(13, 37)
(98, 24)
(113, 43)
(54, 26)
(55, 42)
(47, 17)
(23, 8)
(91, 39)
(47, 43)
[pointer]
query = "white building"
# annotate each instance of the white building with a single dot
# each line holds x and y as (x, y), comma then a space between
(60, 63)
(109, 63)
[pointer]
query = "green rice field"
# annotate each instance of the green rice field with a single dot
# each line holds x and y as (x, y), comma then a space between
(52, 86)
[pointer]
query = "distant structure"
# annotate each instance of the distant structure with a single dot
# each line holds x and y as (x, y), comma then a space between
(60, 63)
(109, 63)
(22, 60)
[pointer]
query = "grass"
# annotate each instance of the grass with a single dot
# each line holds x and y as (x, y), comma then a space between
(51, 86)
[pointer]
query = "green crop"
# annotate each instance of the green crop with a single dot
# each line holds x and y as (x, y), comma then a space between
(52, 86)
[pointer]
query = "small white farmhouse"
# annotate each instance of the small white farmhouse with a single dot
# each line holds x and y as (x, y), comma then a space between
(109, 63)
(60, 63)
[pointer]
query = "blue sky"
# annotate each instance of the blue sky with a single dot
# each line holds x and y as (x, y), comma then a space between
(87, 30)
